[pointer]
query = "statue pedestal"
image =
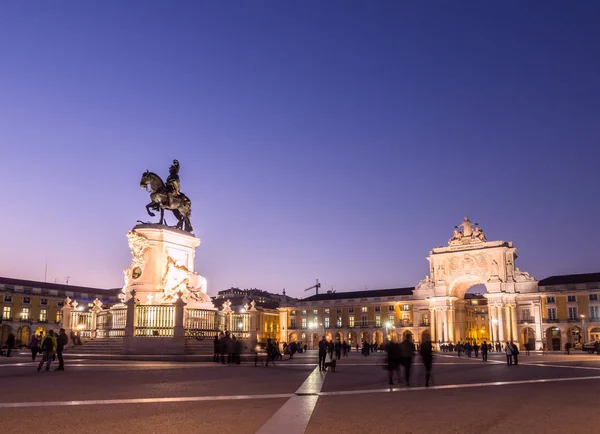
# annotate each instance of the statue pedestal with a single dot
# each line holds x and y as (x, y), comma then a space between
(162, 268)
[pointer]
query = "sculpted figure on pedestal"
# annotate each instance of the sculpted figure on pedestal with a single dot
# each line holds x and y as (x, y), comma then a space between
(522, 276)
(168, 197)
(467, 227)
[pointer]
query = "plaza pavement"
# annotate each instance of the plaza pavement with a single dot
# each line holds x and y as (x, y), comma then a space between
(551, 393)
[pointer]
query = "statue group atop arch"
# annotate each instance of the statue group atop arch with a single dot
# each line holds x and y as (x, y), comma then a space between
(470, 233)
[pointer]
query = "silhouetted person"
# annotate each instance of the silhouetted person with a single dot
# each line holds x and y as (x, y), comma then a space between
(270, 351)
(61, 342)
(10, 343)
(393, 361)
(216, 348)
(34, 346)
(484, 351)
(322, 353)
(426, 351)
(515, 353)
(407, 352)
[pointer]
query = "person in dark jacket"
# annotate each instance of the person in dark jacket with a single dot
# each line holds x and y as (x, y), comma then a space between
(34, 346)
(426, 351)
(10, 343)
(322, 353)
(407, 352)
(61, 342)
(216, 349)
(484, 351)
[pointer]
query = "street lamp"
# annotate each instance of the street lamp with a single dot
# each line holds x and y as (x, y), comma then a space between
(583, 327)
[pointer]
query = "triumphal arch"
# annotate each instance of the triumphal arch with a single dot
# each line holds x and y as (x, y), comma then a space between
(470, 259)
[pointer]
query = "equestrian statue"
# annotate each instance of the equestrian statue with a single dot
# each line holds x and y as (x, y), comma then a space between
(168, 197)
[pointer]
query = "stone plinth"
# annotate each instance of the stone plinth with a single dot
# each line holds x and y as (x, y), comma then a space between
(168, 345)
(162, 266)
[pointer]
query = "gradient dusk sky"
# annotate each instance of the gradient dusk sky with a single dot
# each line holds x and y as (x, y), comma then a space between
(338, 140)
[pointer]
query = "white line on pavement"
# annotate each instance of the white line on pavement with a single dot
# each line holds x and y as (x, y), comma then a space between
(456, 386)
(142, 400)
(295, 414)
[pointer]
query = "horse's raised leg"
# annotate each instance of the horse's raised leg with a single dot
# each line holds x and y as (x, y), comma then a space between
(150, 205)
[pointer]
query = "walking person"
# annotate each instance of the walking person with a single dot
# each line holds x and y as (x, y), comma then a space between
(407, 352)
(270, 350)
(509, 353)
(34, 346)
(10, 343)
(322, 353)
(515, 353)
(47, 350)
(426, 351)
(61, 342)
(393, 361)
(484, 351)
(216, 348)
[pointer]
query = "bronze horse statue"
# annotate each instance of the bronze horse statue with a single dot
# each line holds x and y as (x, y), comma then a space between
(162, 198)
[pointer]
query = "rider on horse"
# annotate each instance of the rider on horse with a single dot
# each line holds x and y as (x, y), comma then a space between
(173, 184)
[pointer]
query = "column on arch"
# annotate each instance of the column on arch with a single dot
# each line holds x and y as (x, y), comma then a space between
(492, 316)
(536, 307)
(513, 323)
(451, 317)
(433, 324)
(501, 335)
(446, 328)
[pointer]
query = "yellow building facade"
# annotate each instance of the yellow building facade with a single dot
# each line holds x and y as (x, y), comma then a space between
(29, 307)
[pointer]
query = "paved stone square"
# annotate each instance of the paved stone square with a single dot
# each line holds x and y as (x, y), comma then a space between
(545, 393)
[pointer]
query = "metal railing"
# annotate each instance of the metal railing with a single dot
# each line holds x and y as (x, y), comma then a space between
(154, 320)
(202, 323)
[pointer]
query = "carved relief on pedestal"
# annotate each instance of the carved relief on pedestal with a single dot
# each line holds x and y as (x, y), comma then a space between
(138, 244)
(177, 278)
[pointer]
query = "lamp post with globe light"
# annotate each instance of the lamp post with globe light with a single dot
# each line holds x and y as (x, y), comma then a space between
(583, 327)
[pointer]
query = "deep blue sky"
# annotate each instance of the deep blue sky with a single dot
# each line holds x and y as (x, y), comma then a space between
(331, 140)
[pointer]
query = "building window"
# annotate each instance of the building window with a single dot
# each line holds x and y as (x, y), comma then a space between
(377, 320)
(338, 322)
(315, 312)
(303, 323)
(326, 322)
(573, 313)
(551, 313)
(351, 321)
(391, 308)
(293, 323)
(303, 312)
(43, 315)
(6, 313)
(406, 307)
(338, 311)
(326, 311)
(525, 315)
(293, 312)
(25, 314)
(550, 300)
(363, 321)
(58, 317)
(8, 297)
(392, 320)
(26, 300)
(315, 322)
(363, 309)
(425, 319)
(350, 310)
(44, 301)
(594, 312)
(61, 303)
(593, 297)
(571, 298)
(377, 308)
